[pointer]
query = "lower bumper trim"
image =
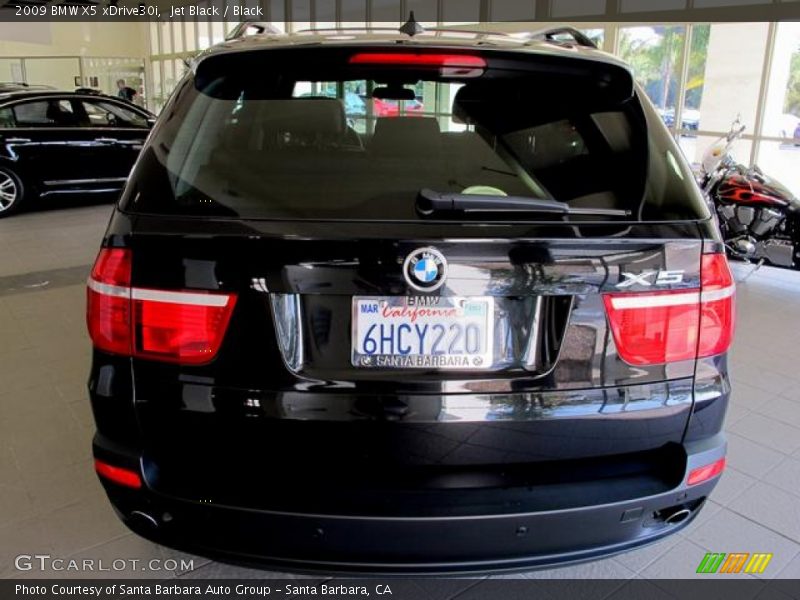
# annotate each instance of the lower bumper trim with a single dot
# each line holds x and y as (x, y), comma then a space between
(417, 545)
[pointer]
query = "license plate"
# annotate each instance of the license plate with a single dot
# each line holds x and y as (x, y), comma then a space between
(422, 332)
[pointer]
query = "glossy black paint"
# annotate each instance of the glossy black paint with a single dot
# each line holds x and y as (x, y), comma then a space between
(295, 458)
(247, 431)
(61, 158)
(325, 265)
(295, 541)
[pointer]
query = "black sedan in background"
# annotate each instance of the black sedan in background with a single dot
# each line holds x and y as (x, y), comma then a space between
(56, 142)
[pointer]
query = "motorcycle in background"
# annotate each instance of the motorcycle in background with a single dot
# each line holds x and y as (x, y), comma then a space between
(759, 218)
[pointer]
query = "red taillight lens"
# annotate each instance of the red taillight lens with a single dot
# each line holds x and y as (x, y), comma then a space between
(705, 473)
(113, 267)
(409, 59)
(652, 328)
(118, 475)
(181, 327)
(655, 328)
(108, 306)
(718, 308)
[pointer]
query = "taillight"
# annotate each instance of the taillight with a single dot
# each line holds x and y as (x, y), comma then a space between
(173, 326)
(183, 327)
(108, 306)
(704, 473)
(652, 328)
(717, 306)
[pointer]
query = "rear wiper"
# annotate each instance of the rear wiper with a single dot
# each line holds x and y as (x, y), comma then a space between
(430, 202)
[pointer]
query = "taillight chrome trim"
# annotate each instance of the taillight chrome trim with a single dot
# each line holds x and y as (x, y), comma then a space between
(654, 300)
(720, 294)
(217, 300)
(108, 289)
(675, 298)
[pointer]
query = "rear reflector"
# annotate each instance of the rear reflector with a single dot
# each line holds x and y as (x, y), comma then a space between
(118, 475)
(705, 473)
(408, 59)
(651, 328)
(173, 326)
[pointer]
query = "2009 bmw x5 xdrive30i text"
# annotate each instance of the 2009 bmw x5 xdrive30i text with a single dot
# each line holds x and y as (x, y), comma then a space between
(490, 336)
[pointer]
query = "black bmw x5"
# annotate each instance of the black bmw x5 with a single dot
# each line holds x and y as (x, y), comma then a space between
(486, 333)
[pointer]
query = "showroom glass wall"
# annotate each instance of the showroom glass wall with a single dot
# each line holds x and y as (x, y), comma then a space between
(700, 77)
(70, 72)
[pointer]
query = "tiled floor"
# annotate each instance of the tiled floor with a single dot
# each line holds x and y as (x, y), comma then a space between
(51, 503)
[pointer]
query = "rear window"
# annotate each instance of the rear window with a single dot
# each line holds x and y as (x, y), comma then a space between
(308, 134)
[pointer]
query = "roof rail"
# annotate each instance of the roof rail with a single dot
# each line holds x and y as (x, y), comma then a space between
(365, 28)
(435, 31)
(253, 27)
(550, 35)
(577, 36)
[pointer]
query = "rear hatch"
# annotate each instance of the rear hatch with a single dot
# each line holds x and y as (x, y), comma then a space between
(330, 299)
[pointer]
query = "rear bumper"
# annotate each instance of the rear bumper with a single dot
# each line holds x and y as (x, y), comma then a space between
(461, 544)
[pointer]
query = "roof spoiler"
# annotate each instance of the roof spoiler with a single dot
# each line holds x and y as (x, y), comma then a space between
(552, 35)
(246, 28)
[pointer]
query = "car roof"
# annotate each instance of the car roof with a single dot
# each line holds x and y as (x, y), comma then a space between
(529, 43)
(34, 92)
(45, 93)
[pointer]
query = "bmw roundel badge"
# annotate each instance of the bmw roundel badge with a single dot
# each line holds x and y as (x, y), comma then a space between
(425, 269)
